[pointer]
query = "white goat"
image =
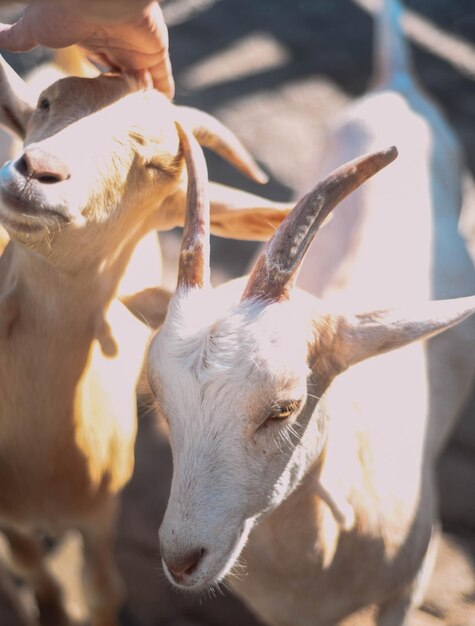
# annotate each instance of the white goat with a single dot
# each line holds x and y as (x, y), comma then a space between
(322, 476)
(101, 166)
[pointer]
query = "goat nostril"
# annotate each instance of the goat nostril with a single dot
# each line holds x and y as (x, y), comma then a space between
(186, 565)
(193, 566)
(21, 166)
(48, 179)
(39, 165)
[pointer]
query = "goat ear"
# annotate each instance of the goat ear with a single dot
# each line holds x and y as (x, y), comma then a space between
(234, 213)
(212, 134)
(241, 215)
(348, 339)
(16, 104)
(149, 305)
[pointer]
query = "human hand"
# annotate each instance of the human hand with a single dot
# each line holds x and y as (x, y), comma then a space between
(133, 45)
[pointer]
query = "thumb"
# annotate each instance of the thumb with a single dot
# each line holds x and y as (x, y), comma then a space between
(17, 37)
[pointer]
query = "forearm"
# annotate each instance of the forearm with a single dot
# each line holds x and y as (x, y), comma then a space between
(114, 10)
(110, 10)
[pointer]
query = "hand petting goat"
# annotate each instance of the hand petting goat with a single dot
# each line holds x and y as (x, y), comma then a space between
(133, 39)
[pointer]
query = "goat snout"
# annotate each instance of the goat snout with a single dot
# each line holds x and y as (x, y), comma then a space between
(183, 565)
(42, 166)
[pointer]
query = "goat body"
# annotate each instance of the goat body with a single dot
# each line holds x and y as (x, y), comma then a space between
(344, 512)
(70, 351)
(394, 240)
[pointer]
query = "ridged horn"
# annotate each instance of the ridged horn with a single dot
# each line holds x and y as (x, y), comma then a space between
(276, 268)
(193, 267)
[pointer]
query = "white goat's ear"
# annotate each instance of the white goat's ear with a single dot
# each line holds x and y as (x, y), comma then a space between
(348, 339)
(234, 213)
(149, 305)
(16, 103)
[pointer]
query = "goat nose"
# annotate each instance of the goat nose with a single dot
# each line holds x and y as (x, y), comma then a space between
(42, 166)
(185, 565)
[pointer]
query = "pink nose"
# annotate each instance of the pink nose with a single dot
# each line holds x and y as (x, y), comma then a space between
(40, 165)
(180, 567)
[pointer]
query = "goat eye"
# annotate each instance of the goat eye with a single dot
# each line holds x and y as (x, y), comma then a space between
(156, 167)
(43, 104)
(282, 410)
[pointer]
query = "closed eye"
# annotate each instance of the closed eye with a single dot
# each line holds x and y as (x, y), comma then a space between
(152, 165)
(283, 410)
(158, 168)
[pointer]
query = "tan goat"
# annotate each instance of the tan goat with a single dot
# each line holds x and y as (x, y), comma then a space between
(101, 167)
(292, 446)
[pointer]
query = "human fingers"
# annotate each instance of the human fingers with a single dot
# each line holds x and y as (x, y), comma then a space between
(162, 77)
(139, 45)
(161, 70)
(48, 23)
(17, 37)
(142, 45)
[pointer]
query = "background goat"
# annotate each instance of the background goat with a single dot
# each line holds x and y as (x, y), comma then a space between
(100, 168)
(344, 471)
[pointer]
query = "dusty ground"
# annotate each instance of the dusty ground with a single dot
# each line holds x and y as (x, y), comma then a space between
(275, 71)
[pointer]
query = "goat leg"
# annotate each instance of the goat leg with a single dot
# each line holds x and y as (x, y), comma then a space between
(102, 583)
(27, 555)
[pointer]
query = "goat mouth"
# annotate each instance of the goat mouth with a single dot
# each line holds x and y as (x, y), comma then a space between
(27, 216)
(201, 581)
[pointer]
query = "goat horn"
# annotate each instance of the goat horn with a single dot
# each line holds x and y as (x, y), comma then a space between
(211, 134)
(193, 268)
(276, 268)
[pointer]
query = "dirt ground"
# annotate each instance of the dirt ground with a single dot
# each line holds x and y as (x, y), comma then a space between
(276, 71)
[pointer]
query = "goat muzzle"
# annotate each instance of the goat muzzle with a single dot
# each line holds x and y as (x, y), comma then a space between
(37, 164)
